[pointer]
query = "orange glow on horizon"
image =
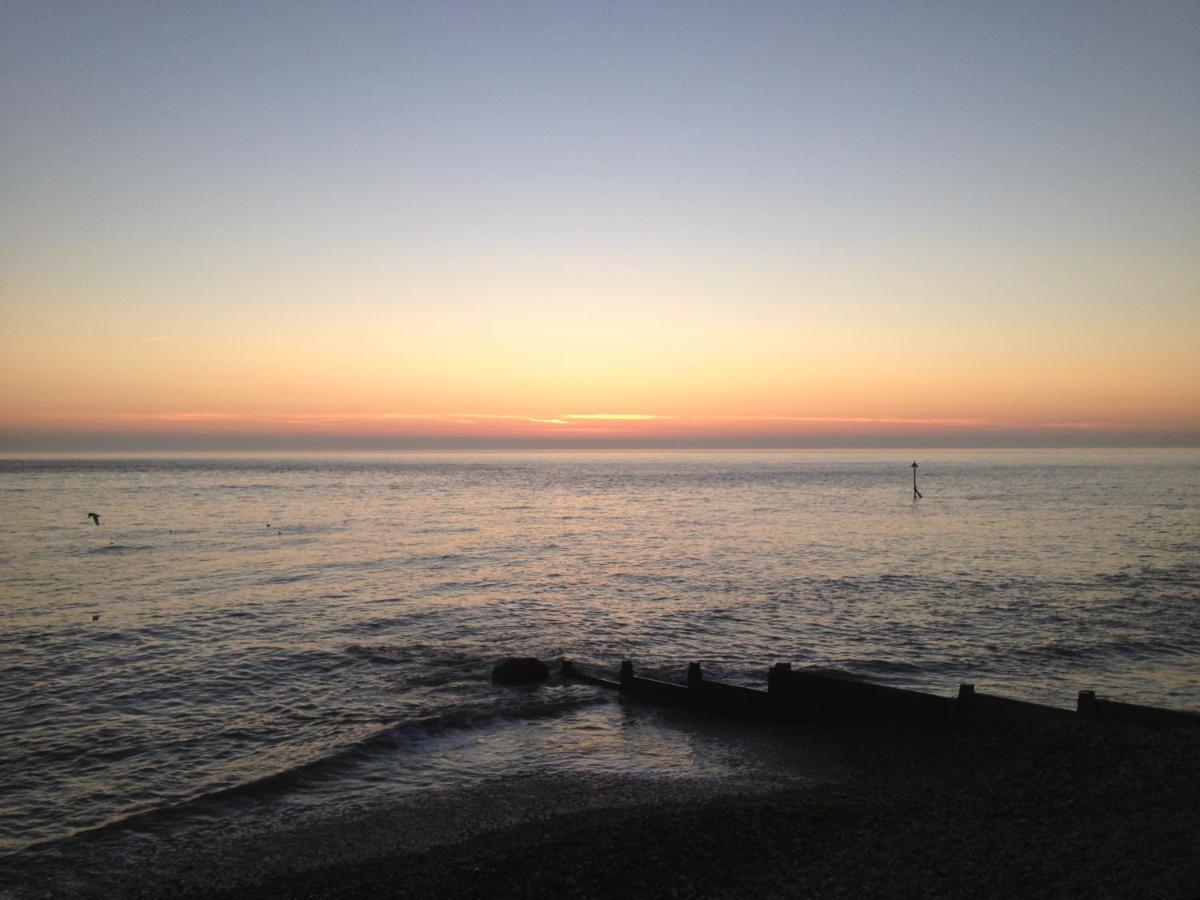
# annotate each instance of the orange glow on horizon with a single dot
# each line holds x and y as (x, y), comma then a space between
(601, 428)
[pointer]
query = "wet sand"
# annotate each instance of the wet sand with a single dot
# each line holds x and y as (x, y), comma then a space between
(982, 808)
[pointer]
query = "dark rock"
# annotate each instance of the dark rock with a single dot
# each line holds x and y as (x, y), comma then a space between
(520, 670)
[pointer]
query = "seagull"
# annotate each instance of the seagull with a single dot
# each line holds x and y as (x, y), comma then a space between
(95, 517)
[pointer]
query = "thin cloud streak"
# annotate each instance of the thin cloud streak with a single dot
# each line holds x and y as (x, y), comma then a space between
(616, 417)
(597, 422)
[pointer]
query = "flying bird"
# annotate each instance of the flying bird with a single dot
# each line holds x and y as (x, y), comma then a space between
(95, 517)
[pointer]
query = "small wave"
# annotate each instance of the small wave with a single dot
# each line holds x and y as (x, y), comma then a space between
(1114, 649)
(237, 614)
(1149, 648)
(121, 548)
(432, 668)
(885, 666)
(288, 578)
(894, 578)
(649, 577)
(1178, 575)
(398, 736)
(372, 654)
(108, 636)
(436, 560)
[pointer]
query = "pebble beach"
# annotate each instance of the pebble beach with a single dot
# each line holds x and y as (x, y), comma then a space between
(993, 806)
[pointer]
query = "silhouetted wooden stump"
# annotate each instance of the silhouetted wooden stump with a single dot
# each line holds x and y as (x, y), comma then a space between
(520, 670)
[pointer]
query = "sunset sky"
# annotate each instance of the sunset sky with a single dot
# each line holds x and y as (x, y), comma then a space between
(391, 225)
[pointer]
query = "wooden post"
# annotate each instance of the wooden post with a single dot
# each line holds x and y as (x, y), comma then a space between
(1085, 705)
(966, 698)
(916, 493)
(694, 677)
(777, 675)
(626, 674)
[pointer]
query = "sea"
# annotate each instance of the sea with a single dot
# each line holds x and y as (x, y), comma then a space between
(244, 637)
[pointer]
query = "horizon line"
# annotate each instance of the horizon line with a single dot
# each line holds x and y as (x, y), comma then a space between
(34, 443)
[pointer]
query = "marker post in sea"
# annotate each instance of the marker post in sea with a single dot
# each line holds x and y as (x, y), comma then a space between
(916, 493)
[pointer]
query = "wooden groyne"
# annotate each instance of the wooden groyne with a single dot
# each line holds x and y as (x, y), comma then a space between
(972, 702)
(822, 697)
(1092, 707)
(812, 695)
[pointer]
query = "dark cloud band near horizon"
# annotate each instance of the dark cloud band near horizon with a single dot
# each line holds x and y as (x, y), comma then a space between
(33, 443)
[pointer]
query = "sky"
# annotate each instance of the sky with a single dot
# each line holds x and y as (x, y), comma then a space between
(232, 225)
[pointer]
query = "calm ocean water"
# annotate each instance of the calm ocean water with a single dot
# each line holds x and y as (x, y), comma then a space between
(319, 629)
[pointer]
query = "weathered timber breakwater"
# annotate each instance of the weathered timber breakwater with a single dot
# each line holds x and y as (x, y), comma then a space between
(799, 695)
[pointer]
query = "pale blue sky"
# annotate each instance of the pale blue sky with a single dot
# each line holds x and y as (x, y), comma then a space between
(678, 122)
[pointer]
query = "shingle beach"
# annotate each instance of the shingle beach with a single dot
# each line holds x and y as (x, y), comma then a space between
(980, 808)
